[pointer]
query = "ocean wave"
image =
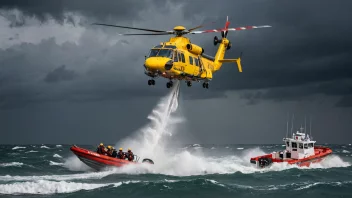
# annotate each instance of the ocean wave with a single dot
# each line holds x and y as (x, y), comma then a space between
(57, 156)
(18, 147)
(18, 164)
(47, 187)
(51, 163)
(68, 177)
(31, 151)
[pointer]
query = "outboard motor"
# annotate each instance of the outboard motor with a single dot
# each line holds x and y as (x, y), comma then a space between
(264, 162)
(146, 160)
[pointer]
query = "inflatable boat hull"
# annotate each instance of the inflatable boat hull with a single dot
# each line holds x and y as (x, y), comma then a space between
(98, 161)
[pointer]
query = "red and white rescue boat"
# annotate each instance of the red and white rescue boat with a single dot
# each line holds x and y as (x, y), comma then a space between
(300, 150)
(98, 161)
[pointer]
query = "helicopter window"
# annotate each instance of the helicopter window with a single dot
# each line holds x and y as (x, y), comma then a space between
(196, 61)
(179, 56)
(170, 46)
(153, 52)
(165, 53)
(191, 60)
(175, 57)
(183, 57)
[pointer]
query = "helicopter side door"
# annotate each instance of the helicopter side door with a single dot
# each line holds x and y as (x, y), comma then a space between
(194, 64)
(179, 61)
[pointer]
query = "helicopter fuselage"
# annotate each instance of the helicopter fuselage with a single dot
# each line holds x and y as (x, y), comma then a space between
(180, 59)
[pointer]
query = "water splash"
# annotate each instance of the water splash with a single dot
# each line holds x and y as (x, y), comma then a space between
(150, 141)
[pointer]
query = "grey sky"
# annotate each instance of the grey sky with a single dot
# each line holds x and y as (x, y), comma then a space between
(65, 81)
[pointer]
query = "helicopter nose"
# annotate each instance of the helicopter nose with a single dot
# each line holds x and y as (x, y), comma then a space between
(158, 63)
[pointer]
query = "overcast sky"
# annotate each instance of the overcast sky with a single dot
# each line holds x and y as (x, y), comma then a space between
(63, 80)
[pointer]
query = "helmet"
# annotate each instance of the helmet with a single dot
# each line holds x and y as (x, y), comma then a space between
(101, 144)
(129, 149)
(120, 149)
(109, 147)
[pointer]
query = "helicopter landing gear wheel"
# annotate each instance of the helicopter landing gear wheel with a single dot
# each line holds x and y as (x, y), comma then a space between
(206, 85)
(151, 82)
(189, 83)
(169, 84)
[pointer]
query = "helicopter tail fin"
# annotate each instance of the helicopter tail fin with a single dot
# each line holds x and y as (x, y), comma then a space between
(237, 60)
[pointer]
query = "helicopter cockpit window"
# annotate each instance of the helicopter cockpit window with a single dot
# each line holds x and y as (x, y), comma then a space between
(165, 53)
(153, 52)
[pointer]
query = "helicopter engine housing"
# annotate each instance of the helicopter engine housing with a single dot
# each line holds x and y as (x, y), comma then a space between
(195, 49)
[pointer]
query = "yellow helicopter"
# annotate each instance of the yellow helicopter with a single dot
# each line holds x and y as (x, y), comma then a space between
(179, 59)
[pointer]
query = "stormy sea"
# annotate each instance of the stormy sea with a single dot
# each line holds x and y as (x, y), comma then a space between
(179, 170)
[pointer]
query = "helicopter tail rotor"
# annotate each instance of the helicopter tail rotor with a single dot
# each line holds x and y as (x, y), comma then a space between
(224, 32)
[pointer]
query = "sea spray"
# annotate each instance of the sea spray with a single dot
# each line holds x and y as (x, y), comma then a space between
(150, 141)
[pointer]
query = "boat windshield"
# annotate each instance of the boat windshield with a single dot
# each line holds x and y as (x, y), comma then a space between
(160, 53)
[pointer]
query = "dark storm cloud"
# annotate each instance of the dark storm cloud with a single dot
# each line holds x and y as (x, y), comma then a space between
(345, 101)
(333, 88)
(104, 10)
(60, 74)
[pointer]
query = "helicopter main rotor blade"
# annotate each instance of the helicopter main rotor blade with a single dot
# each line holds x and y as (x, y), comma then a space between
(230, 29)
(190, 30)
(163, 33)
(150, 30)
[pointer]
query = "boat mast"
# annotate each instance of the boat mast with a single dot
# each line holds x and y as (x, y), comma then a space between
(288, 117)
(293, 115)
(310, 127)
(305, 125)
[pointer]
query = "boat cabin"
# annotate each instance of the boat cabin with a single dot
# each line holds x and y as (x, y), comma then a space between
(300, 146)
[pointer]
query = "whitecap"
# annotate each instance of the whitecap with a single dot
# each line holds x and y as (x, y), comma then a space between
(47, 187)
(31, 151)
(55, 163)
(18, 147)
(57, 155)
(18, 164)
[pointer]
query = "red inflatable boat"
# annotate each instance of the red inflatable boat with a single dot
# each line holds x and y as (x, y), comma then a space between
(300, 150)
(98, 161)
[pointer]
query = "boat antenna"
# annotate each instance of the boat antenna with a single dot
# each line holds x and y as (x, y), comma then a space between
(288, 117)
(305, 124)
(310, 127)
(293, 116)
